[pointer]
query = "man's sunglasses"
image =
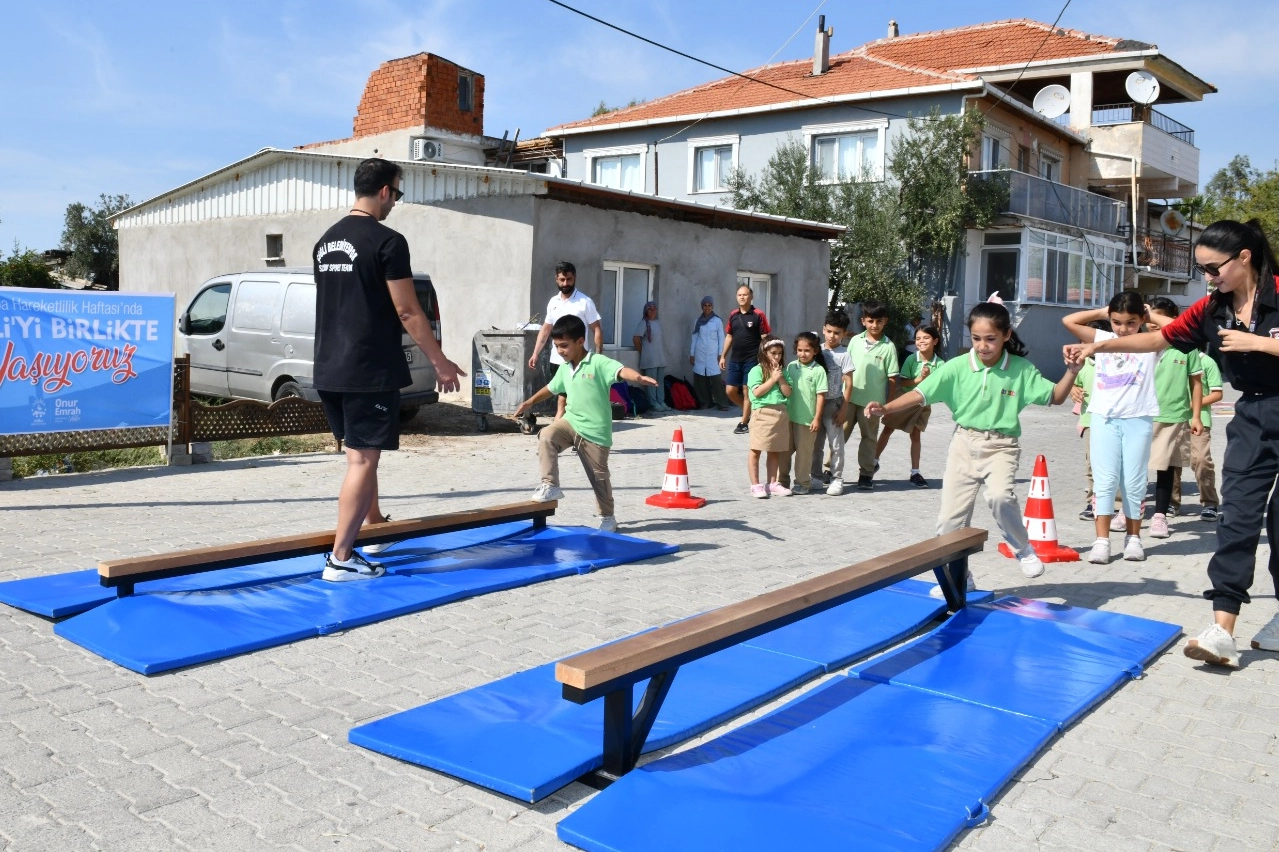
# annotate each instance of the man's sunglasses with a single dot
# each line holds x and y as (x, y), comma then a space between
(1214, 269)
(399, 193)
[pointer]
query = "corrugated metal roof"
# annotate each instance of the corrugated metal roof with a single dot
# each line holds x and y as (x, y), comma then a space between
(275, 181)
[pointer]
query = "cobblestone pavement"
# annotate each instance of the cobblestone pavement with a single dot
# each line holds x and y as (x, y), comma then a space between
(250, 753)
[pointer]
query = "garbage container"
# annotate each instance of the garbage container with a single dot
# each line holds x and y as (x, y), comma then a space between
(501, 378)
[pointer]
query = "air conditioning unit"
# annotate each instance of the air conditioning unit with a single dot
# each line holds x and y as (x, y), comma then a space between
(427, 149)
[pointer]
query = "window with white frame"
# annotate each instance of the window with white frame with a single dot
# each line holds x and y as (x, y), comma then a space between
(1075, 271)
(996, 150)
(710, 163)
(1050, 166)
(624, 288)
(761, 285)
(847, 152)
(617, 168)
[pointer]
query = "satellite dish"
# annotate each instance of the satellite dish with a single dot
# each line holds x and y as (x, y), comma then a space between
(1172, 222)
(1052, 101)
(1142, 87)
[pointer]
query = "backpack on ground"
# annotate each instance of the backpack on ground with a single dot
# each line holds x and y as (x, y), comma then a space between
(619, 395)
(679, 394)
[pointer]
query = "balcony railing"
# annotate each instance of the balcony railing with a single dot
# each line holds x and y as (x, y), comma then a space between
(1129, 113)
(1162, 253)
(1040, 198)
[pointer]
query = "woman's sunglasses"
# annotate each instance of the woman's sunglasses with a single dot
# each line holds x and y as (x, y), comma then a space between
(1213, 269)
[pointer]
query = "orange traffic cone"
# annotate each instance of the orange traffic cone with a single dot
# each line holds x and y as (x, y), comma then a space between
(675, 493)
(1041, 526)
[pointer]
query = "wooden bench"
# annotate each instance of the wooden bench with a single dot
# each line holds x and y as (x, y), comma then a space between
(123, 574)
(612, 671)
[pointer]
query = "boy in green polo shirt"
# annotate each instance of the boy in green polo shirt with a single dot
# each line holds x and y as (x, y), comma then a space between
(875, 370)
(584, 379)
(1201, 444)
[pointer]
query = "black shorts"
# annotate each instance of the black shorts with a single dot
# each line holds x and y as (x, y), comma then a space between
(364, 421)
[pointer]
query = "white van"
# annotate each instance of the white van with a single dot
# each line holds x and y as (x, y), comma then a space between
(251, 335)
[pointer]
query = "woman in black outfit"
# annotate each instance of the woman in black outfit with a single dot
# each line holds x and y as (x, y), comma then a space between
(1238, 326)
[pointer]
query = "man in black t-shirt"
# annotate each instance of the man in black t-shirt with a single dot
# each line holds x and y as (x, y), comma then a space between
(745, 328)
(364, 294)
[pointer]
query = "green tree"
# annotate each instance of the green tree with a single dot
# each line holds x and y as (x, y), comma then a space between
(26, 268)
(95, 251)
(1242, 192)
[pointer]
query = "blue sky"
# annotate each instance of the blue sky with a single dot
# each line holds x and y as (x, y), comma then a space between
(140, 97)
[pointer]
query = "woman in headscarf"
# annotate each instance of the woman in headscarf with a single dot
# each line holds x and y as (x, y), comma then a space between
(652, 355)
(703, 355)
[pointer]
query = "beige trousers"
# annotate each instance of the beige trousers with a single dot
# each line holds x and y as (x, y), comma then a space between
(557, 437)
(801, 441)
(1205, 471)
(976, 458)
(869, 429)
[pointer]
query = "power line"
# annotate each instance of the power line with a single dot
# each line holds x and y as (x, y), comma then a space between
(1052, 29)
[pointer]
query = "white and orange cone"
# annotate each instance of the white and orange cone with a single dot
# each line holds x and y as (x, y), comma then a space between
(1041, 526)
(675, 493)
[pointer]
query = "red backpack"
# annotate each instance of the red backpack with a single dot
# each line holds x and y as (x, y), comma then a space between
(682, 397)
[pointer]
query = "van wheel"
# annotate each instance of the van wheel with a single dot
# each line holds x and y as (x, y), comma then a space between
(407, 414)
(288, 389)
(482, 423)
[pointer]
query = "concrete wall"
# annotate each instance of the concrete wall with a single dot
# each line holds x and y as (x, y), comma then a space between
(691, 260)
(476, 251)
(398, 145)
(667, 174)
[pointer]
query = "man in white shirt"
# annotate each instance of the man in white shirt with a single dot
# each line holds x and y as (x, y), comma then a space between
(568, 302)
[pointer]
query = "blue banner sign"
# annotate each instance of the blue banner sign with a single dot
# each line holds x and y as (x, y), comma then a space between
(73, 360)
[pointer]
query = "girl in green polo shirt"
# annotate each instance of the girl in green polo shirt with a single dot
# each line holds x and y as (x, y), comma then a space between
(985, 391)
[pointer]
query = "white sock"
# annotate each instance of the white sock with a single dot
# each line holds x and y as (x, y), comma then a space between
(914, 470)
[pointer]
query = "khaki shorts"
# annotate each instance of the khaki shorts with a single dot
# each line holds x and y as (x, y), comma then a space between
(770, 429)
(915, 418)
(1170, 446)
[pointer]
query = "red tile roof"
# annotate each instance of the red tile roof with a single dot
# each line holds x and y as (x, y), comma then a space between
(909, 61)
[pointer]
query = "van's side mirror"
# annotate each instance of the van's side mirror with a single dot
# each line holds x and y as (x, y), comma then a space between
(184, 324)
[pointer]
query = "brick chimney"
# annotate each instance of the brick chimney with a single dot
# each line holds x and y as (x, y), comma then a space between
(420, 91)
(821, 47)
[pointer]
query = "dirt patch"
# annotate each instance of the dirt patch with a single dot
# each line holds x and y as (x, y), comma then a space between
(450, 419)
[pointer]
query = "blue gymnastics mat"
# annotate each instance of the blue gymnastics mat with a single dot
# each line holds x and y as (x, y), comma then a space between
(61, 595)
(155, 631)
(878, 763)
(1050, 661)
(853, 764)
(518, 736)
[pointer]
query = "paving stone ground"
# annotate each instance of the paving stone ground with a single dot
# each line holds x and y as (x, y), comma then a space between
(251, 753)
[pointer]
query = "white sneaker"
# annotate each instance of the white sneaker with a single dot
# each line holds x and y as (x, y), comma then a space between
(1133, 551)
(1214, 646)
(355, 568)
(546, 492)
(1118, 523)
(1031, 567)
(608, 523)
(835, 488)
(936, 592)
(1100, 552)
(1267, 638)
(377, 548)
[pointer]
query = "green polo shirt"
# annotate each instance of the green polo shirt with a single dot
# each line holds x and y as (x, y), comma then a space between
(1172, 385)
(806, 383)
(873, 366)
(588, 408)
(1212, 382)
(912, 366)
(987, 398)
(1084, 380)
(754, 379)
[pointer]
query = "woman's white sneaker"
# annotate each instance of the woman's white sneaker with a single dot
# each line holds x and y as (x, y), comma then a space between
(1214, 646)
(1267, 638)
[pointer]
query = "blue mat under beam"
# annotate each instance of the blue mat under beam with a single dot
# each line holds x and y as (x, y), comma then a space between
(155, 631)
(61, 595)
(518, 736)
(1050, 661)
(852, 765)
(892, 763)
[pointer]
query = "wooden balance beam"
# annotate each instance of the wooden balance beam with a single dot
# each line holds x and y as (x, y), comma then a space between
(123, 574)
(656, 655)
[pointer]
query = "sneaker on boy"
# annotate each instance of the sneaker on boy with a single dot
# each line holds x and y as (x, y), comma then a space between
(917, 480)
(374, 549)
(936, 592)
(354, 568)
(1208, 513)
(1087, 513)
(608, 523)
(1214, 645)
(865, 483)
(546, 493)
(835, 488)
(1031, 566)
